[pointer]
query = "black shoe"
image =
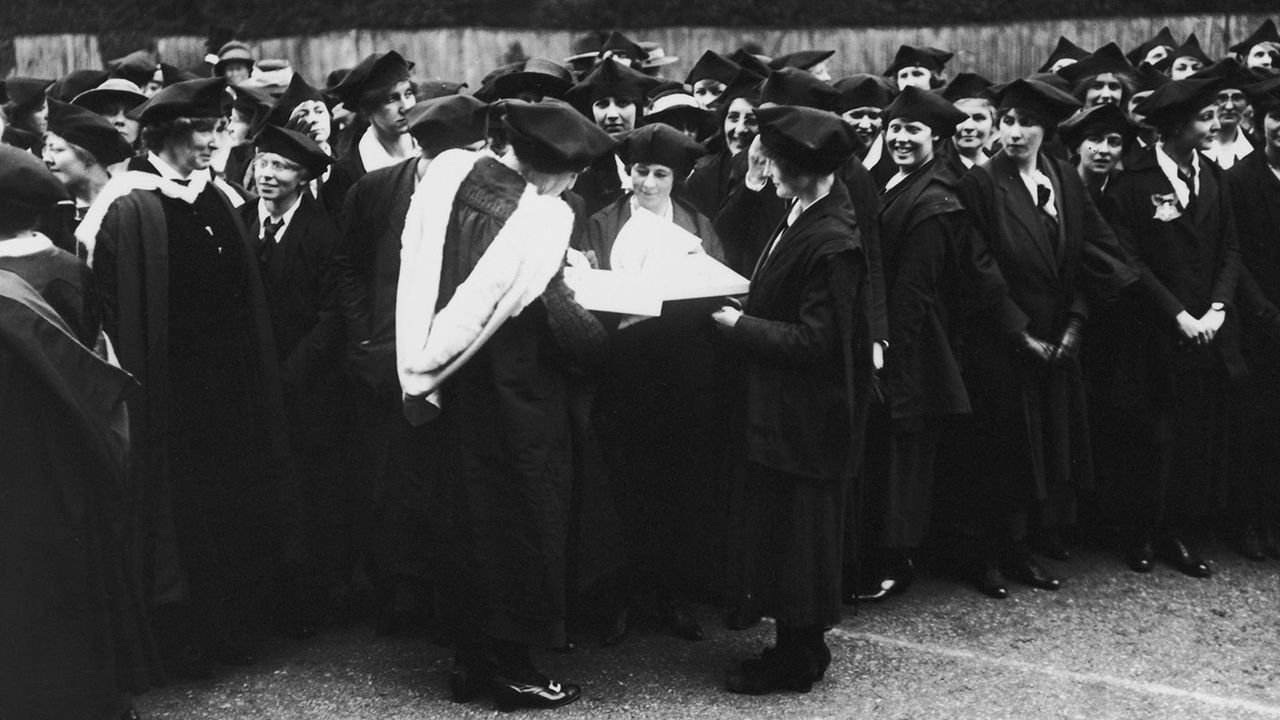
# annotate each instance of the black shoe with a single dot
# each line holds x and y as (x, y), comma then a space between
(991, 583)
(1023, 569)
(1249, 543)
(615, 629)
(1049, 544)
(1175, 552)
(681, 623)
(1140, 557)
(743, 614)
(511, 694)
(773, 672)
(895, 582)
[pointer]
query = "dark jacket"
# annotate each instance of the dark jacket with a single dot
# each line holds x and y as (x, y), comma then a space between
(599, 184)
(712, 178)
(366, 268)
(1255, 198)
(796, 337)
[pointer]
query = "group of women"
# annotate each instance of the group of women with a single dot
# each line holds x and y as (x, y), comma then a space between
(1015, 315)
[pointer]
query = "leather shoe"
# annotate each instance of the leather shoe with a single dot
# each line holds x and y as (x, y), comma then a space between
(1140, 557)
(615, 629)
(895, 582)
(512, 694)
(991, 583)
(771, 672)
(682, 624)
(1175, 552)
(1023, 569)
(1249, 543)
(744, 614)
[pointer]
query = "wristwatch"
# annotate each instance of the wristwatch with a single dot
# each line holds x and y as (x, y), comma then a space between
(1218, 306)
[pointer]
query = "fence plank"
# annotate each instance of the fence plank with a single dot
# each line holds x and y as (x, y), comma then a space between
(998, 51)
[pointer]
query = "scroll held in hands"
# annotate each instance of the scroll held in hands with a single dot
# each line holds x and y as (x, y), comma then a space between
(654, 261)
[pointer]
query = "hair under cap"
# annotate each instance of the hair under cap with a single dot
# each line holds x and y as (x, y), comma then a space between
(661, 144)
(814, 141)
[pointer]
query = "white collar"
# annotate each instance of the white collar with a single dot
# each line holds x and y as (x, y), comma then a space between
(1228, 154)
(624, 177)
(667, 212)
(24, 245)
(285, 219)
(1170, 168)
(874, 152)
(1033, 184)
(376, 157)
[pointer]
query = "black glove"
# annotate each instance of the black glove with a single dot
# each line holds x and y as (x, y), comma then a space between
(1069, 346)
(1036, 348)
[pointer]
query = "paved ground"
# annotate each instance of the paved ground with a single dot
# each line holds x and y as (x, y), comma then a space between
(1110, 644)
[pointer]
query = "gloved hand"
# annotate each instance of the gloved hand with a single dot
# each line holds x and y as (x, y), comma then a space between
(1069, 346)
(1035, 347)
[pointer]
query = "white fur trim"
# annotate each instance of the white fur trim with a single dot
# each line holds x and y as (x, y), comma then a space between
(24, 245)
(513, 272)
(121, 185)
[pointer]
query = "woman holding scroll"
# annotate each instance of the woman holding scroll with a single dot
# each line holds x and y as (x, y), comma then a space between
(656, 412)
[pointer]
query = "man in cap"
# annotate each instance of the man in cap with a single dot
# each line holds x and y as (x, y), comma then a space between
(184, 307)
(483, 355)
(1172, 210)
(378, 89)
(366, 266)
(294, 240)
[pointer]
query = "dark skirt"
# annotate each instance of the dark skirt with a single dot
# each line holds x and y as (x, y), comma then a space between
(794, 530)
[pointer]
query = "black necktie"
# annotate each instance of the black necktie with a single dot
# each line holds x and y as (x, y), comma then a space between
(268, 246)
(1188, 177)
(1048, 220)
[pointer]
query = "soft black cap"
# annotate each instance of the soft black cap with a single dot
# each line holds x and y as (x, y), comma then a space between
(298, 92)
(926, 57)
(611, 79)
(26, 93)
(661, 144)
(967, 85)
(545, 77)
(1164, 38)
(1064, 50)
(295, 146)
(793, 86)
(803, 59)
(75, 82)
(1266, 32)
(1106, 118)
(618, 44)
(815, 141)
(1148, 77)
(1037, 97)
(553, 136)
(1106, 59)
(863, 90)
(1177, 101)
(138, 67)
(712, 66)
(26, 185)
(205, 97)
(379, 70)
(752, 63)
(1190, 48)
(926, 107)
(1230, 74)
(90, 131)
(452, 121)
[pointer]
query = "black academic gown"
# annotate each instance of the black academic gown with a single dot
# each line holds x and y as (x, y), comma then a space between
(1255, 196)
(1030, 442)
(658, 423)
(72, 611)
(307, 326)
(184, 305)
(1167, 397)
(795, 342)
(599, 185)
(709, 183)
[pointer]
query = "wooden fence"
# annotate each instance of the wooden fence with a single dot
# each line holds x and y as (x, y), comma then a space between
(998, 51)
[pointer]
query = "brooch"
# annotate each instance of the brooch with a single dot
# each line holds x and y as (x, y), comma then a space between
(1166, 207)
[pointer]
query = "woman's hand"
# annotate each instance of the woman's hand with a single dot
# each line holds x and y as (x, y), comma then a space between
(726, 316)
(757, 165)
(1189, 327)
(1212, 323)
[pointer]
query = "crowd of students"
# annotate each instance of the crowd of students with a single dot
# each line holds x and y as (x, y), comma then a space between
(306, 352)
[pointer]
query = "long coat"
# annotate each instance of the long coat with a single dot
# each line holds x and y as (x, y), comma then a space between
(1255, 196)
(1030, 418)
(712, 178)
(1188, 262)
